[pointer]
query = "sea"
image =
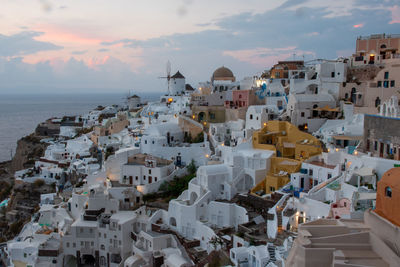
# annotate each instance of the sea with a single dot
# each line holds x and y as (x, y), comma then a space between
(20, 114)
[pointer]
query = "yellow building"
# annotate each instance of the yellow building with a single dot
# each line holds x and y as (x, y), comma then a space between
(291, 147)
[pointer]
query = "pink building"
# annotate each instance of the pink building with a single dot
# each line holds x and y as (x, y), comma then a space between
(243, 99)
(376, 48)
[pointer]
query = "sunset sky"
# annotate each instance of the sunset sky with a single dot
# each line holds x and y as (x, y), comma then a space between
(114, 46)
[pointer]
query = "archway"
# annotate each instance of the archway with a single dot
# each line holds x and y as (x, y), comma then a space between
(193, 197)
(353, 95)
(315, 111)
(172, 221)
(88, 260)
(201, 116)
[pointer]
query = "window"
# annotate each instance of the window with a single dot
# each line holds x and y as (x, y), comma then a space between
(81, 230)
(74, 245)
(333, 74)
(152, 142)
(251, 116)
(92, 243)
(386, 84)
(310, 171)
(379, 84)
(272, 189)
(302, 114)
(387, 149)
(212, 116)
(386, 75)
(136, 178)
(119, 227)
(90, 230)
(376, 145)
(67, 244)
(145, 141)
(144, 177)
(392, 83)
(105, 235)
(149, 171)
(155, 178)
(329, 175)
(388, 191)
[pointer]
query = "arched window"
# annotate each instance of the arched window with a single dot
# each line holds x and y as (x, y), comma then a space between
(383, 46)
(388, 191)
(377, 102)
(353, 94)
(103, 261)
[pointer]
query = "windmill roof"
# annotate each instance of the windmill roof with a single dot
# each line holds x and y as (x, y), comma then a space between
(178, 75)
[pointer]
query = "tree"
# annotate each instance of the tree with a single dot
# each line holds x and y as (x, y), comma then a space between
(38, 183)
(192, 168)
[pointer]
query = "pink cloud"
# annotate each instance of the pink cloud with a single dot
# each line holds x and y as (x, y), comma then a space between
(358, 25)
(93, 63)
(395, 14)
(266, 57)
(56, 34)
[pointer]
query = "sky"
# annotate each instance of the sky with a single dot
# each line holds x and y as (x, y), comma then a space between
(103, 46)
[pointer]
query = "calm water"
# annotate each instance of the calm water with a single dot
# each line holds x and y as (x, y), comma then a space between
(20, 114)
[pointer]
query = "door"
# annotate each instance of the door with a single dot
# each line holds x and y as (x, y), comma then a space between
(130, 180)
(150, 179)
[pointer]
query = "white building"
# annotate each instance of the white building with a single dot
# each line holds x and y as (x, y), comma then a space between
(134, 102)
(166, 140)
(146, 172)
(257, 116)
(390, 108)
(311, 110)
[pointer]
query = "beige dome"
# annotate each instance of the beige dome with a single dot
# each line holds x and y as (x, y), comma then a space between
(223, 73)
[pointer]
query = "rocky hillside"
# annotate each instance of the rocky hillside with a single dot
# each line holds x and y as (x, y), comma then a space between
(29, 149)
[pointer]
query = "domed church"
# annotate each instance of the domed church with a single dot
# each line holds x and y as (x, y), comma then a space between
(223, 79)
(223, 74)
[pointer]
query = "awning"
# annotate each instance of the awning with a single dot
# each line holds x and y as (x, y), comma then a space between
(347, 137)
(327, 108)
(365, 171)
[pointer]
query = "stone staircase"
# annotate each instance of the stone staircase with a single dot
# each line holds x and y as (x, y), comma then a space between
(271, 252)
(279, 213)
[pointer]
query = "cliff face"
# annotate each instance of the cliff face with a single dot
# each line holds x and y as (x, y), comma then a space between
(29, 149)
